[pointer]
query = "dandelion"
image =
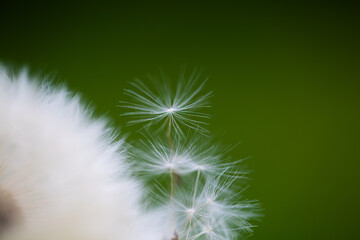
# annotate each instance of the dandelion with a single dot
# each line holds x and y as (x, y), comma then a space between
(171, 110)
(67, 175)
(62, 174)
(188, 177)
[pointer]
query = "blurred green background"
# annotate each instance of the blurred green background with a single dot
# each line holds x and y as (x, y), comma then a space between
(285, 77)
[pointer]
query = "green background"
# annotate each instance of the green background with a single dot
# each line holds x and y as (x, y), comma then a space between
(285, 77)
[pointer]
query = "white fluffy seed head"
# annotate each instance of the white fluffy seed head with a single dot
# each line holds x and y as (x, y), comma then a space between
(189, 178)
(176, 109)
(171, 110)
(65, 177)
(63, 169)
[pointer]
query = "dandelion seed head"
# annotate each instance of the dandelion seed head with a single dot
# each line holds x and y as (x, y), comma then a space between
(200, 167)
(60, 167)
(190, 211)
(170, 165)
(200, 198)
(171, 110)
(178, 109)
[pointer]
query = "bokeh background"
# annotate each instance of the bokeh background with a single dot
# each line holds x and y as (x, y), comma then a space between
(285, 77)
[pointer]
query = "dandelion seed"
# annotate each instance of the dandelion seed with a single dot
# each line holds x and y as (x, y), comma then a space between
(203, 205)
(179, 110)
(170, 110)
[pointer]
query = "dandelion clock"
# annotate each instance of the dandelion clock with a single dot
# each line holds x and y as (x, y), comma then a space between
(65, 174)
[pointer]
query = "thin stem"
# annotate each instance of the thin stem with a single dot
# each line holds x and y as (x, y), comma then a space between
(196, 236)
(168, 131)
(172, 188)
(196, 185)
(185, 224)
(171, 176)
(201, 206)
(188, 231)
(193, 203)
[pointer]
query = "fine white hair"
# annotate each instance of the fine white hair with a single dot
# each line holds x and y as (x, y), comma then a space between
(188, 176)
(64, 170)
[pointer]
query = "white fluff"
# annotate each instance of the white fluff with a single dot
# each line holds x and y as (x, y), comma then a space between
(64, 170)
(175, 109)
(188, 177)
